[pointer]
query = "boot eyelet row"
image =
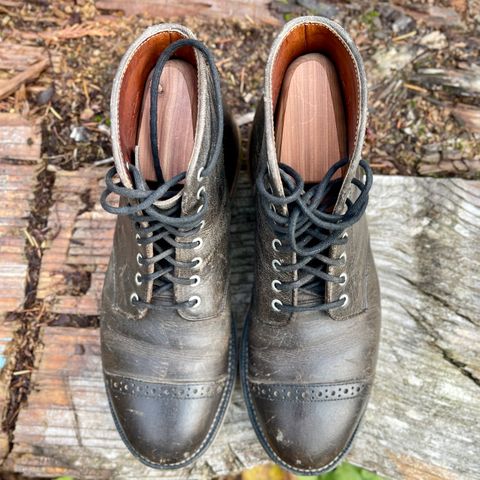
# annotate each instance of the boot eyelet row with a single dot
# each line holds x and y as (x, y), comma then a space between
(275, 304)
(200, 194)
(346, 299)
(274, 285)
(196, 299)
(198, 262)
(196, 280)
(200, 191)
(133, 298)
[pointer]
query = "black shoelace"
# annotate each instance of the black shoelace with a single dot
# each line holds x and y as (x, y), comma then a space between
(163, 226)
(307, 228)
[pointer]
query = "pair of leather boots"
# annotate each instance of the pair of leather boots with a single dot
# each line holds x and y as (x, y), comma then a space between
(311, 336)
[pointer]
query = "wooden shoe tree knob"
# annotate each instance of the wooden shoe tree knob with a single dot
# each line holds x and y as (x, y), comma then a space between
(177, 117)
(310, 126)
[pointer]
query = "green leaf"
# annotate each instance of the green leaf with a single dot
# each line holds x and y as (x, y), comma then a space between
(345, 471)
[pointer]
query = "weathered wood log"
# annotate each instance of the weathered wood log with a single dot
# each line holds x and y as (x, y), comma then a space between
(18, 57)
(422, 419)
(434, 15)
(463, 82)
(20, 138)
(17, 184)
(79, 243)
(468, 116)
(7, 87)
(254, 9)
(8, 349)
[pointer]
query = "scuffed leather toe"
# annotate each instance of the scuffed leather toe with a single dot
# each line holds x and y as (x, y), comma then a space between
(308, 428)
(166, 425)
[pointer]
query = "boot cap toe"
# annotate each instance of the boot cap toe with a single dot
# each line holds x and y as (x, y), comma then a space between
(166, 425)
(308, 429)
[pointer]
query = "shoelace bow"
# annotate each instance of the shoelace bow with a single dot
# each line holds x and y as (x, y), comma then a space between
(162, 226)
(309, 229)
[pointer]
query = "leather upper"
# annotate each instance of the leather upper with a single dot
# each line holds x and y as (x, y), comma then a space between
(169, 372)
(308, 375)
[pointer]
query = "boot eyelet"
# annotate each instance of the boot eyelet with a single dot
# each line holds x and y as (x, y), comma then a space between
(346, 299)
(198, 262)
(275, 304)
(343, 257)
(200, 191)
(199, 242)
(196, 299)
(275, 244)
(202, 224)
(200, 208)
(140, 259)
(344, 278)
(274, 285)
(137, 238)
(344, 235)
(275, 264)
(199, 174)
(138, 278)
(133, 298)
(196, 280)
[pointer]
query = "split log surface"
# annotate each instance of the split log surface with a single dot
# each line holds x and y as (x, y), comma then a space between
(423, 416)
(18, 57)
(19, 139)
(17, 183)
(7, 87)
(256, 10)
(80, 240)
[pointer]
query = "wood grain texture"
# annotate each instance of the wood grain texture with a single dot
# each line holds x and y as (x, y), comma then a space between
(20, 138)
(17, 183)
(468, 116)
(257, 10)
(310, 125)
(7, 87)
(79, 243)
(8, 350)
(421, 422)
(176, 106)
(18, 57)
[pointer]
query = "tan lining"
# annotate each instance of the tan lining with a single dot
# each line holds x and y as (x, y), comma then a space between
(317, 38)
(133, 83)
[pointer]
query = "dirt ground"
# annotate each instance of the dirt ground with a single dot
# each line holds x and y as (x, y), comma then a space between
(422, 66)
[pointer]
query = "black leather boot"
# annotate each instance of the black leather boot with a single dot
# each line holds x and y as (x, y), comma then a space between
(311, 338)
(168, 343)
